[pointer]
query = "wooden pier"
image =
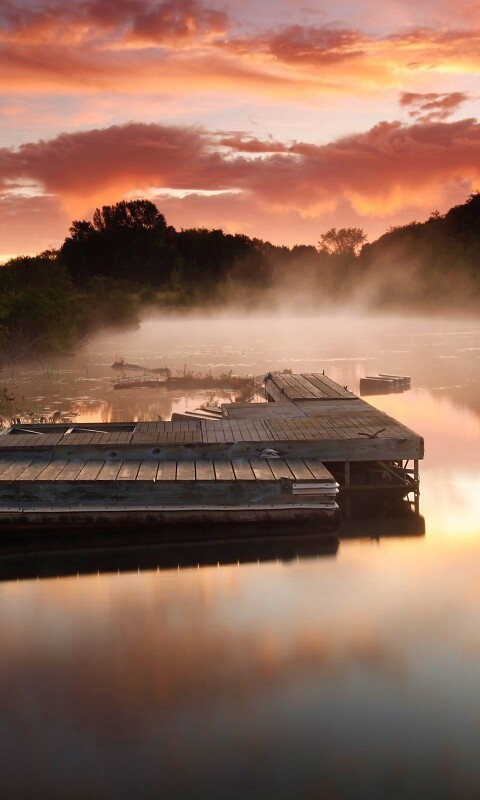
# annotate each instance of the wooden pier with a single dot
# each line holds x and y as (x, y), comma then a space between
(285, 459)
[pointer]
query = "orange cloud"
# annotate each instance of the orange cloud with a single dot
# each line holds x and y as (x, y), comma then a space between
(104, 23)
(29, 225)
(432, 106)
(179, 46)
(376, 174)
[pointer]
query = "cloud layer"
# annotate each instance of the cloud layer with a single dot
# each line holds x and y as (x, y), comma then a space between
(145, 46)
(300, 76)
(432, 106)
(375, 173)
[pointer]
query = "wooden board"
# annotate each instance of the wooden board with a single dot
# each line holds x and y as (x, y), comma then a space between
(109, 471)
(52, 470)
(247, 411)
(243, 469)
(186, 471)
(147, 471)
(90, 470)
(70, 470)
(261, 469)
(307, 386)
(15, 468)
(280, 468)
(166, 471)
(223, 470)
(129, 470)
(32, 471)
(318, 470)
(299, 469)
(205, 470)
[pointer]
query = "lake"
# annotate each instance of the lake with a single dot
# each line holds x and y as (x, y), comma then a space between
(344, 674)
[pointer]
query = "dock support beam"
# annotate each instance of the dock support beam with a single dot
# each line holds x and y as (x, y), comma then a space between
(416, 478)
(347, 493)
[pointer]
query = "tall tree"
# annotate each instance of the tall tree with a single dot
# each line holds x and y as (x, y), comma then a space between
(342, 242)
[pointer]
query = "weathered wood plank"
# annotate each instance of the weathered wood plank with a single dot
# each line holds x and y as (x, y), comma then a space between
(129, 470)
(90, 470)
(261, 469)
(244, 411)
(52, 469)
(5, 463)
(186, 470)
(109, 471)
(71, 470)
(318, 470)
(223, 470)
(15, 468)
(32, 471)
(280, 468)
(298, 391)
(299, 469)
(205, 470)
(242, 469)
(327, 383)
(166, 471)
(147, 471)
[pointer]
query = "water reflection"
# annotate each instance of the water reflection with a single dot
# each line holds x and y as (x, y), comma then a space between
(218, 681)
(350, 674)
(442, 357)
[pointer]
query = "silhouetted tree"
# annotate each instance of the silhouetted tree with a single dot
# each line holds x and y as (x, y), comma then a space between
(342, 242)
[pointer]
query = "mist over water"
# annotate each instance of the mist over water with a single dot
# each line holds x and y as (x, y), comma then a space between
(347, 675)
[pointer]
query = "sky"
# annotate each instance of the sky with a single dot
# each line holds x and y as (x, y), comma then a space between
(276, 119)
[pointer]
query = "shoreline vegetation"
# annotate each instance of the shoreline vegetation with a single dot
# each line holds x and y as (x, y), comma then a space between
(129, 263)
(14, 411)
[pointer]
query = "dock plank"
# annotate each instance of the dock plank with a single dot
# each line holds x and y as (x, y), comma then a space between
(32, 471)
(205, 470)
(261, 469)
(15, 468)
(186, 470)
(52, 469)
(318, 470)
(167, 470)
(5, 463)
(298, 389)
(299, 469)
(280, 468)
(129, 470)
(109, 471)
(223, 470)
(90, 470)
(243, 470)
(71, 470)
(147, 471)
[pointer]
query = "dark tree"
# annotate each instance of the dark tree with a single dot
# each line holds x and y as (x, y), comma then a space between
(342, 242)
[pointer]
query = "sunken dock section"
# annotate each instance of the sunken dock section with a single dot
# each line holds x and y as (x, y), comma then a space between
(287, 459)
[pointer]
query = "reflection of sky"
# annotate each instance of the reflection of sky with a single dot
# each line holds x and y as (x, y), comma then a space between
(353, 676)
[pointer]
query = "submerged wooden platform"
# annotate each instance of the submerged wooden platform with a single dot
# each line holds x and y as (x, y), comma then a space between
(282, 459)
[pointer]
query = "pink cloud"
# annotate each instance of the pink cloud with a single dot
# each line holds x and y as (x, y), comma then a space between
(376, 174)
(181, 46)
(29, 225)
(105, 21)
(432, 106)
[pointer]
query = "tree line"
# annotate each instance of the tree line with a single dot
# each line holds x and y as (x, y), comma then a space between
(128, 256)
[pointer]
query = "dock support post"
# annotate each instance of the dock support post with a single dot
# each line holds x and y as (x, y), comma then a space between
(348, 509)
(416, 478)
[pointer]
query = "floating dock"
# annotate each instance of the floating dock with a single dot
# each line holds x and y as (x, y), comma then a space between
(384, 384)
(287, 459)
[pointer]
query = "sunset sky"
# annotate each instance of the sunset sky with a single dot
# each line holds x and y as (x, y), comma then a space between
(274, 119)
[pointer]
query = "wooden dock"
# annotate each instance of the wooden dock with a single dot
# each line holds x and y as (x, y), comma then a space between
(285, 459)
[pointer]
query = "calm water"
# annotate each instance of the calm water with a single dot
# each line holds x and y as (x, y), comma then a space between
(339, 676)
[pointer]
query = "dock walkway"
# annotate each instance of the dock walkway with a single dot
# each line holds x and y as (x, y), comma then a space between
(286, 456)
